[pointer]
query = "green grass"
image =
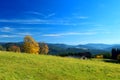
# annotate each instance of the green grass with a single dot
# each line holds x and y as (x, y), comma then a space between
(15, 66)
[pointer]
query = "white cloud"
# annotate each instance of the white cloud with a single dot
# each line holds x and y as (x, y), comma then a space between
(12, 32)
(82, 17)
(22, 20)
(79, 16)
(98, 25)
(69, 33)
(27, 28)
(8, 36)
(45, 21)
(6, 29)
(99, 29)
(38, 21)
(52, 35)
(49, 15)
(41, 14)
(24, 33)
(15, 35)
(35, 13)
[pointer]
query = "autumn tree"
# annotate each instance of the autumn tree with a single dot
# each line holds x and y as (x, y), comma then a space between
(14, 48)
(43, 48)
(30, 45)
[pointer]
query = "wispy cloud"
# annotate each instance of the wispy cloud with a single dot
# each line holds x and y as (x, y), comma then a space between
(53, 35)
(82, 17)
(49, 15)
(25, 28)
(69, 33)
(41, 14)
(23, 33)
(79, 16)
(37, 21)
(15, 35)
(22, 20)
(6, 29)
(43, 21)
(35, 13)
(100, 30)
(13, 32)
(9, 36)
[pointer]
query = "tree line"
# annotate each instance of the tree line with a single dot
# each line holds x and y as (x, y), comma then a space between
(29, 45)
(78, 54)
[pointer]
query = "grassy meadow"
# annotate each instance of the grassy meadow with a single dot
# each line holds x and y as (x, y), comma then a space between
(16, 66)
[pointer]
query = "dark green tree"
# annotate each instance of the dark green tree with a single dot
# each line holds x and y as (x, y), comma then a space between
(115, 53)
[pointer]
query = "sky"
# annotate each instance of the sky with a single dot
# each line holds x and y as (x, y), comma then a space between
(61, 21)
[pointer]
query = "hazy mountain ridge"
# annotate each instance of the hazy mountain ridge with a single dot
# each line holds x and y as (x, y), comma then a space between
(88, 46)
(93, 48)
(64, 48)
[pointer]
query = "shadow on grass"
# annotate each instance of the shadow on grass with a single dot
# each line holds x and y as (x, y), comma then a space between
(111, 61)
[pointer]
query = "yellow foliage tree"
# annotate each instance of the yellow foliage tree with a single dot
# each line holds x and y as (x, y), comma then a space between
(43, 48)
(99, 56)
(30, 45)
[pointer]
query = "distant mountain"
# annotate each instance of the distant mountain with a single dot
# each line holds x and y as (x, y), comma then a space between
(93, 48)
(84, 47)
(63, 48)
(106, 47)
(98, 46)
(113, 46)
(61, 45)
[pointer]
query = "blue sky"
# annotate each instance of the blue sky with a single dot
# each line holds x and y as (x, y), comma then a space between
(61, 21)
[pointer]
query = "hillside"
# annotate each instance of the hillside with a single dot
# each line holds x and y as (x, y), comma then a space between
(15, 66)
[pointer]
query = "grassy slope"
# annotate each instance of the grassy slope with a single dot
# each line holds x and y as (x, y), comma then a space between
(15, 66)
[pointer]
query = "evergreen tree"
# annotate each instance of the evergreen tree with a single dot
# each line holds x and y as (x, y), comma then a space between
(114, 53)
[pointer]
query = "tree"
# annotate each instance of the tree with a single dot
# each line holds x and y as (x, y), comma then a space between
(30, 45)
(14, 49)
(43, 48)
(99, 56)
(114, 53)
(118, 57)
(106, 55)
(2, 48)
